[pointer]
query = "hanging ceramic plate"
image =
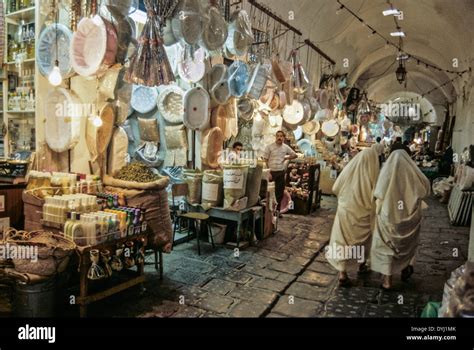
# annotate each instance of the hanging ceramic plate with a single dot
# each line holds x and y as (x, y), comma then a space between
(94, 46)
(143, 98)
(196, 109)
(323, 98)
(191, 69)
(355, 129)
(330, 128)
(62, 130)
(46, 50)
(188, 23)
(220, 93)
(174, 53)
(311, 128)
(257, 81)
(323, 115)
(170, 104)
(215, 31)
(238, 77)
(168, 36)
(294, 113)
(306, 147)
(346, 124)
(246, 108)
(236, 44)
(275, 120)
(298, 133)
(307, 112)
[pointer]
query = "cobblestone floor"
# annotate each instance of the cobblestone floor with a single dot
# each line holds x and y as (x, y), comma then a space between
(287, 275)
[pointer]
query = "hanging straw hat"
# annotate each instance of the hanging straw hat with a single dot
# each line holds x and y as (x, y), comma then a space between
(311, 127)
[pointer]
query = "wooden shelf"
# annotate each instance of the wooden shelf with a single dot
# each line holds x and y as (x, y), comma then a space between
(25, 61)
(28, 13)
(22, 112)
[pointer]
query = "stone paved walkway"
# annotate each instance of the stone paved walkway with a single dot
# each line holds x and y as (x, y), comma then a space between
(287, 275)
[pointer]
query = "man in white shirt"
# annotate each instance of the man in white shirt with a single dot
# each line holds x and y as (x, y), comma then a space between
(275, 156)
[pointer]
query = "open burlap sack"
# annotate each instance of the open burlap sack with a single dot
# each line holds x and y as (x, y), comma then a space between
(154, 198)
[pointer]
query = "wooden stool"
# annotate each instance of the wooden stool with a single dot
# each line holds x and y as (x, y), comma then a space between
(199, 218)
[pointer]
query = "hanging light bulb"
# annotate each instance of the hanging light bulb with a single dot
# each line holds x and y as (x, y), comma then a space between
(96, 120)
(55, 77)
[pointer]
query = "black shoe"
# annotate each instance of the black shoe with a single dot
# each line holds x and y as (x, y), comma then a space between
(345, 283)
(363, 269)
(407, 272)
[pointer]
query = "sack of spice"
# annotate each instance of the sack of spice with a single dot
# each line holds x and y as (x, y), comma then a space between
(212, 183)
(254, 183)
(194, 180)
(137, 176)
(235, 184)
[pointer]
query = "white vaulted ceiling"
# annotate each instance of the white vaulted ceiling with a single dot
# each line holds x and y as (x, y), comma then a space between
(438, 31)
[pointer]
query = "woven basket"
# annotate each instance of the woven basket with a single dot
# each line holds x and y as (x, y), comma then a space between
(52, 250)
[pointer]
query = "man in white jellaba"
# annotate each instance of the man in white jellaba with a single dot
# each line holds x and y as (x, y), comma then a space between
(399, 195)
(355, 217)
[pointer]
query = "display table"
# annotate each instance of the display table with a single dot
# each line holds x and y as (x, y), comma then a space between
(85, 298)
(239, 217)
(309, 179)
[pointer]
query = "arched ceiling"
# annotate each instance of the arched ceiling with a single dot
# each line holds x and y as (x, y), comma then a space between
(438, 31)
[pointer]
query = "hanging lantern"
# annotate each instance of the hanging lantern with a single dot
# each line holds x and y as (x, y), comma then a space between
(401, 73)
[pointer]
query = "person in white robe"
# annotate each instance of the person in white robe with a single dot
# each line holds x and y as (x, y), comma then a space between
(355, 217)
(399, 195)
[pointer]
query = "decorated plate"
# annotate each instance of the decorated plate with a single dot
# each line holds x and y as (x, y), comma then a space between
(144, 99)
(46, 50)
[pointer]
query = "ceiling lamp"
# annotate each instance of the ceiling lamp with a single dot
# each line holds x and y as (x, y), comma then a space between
(392, 12)
(401, 73)
(398, 33)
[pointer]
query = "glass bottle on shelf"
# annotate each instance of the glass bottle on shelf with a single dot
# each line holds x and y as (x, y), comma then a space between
(30, 49)
(13, 7)
(23, 101)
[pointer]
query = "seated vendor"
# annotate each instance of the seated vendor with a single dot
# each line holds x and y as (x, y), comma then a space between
(234, 154)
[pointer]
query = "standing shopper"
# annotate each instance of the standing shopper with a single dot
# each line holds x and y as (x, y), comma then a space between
(399, 195)
(355, 217)
(275, 156)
